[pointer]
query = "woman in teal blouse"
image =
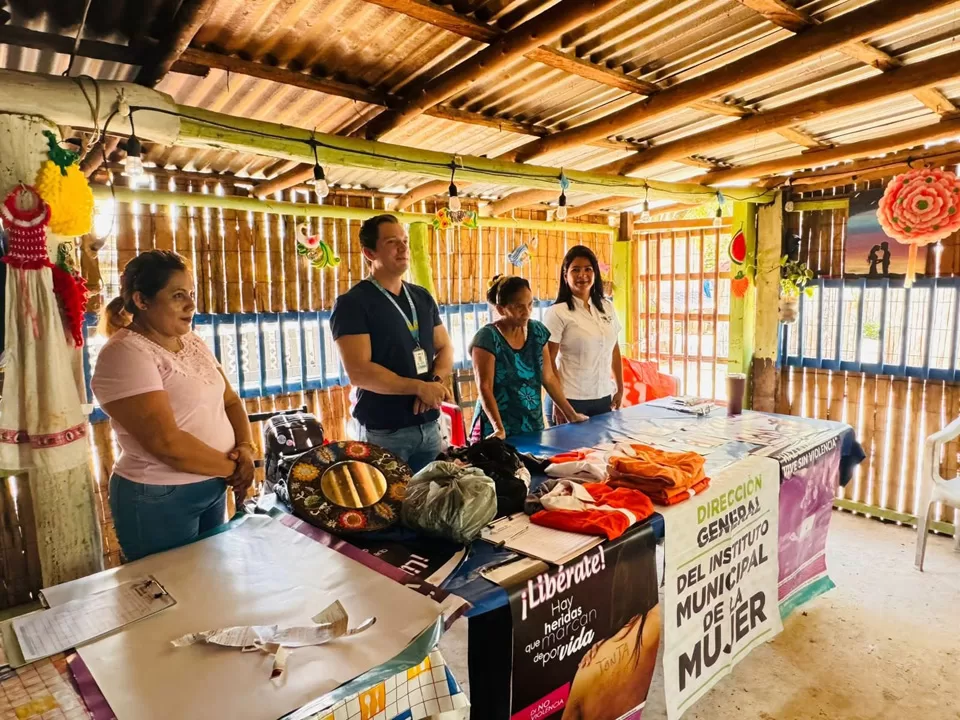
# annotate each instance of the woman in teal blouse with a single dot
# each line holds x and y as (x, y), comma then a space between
(510, 365)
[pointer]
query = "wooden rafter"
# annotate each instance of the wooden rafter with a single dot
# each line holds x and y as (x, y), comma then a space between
(946, 128)
(935, 100)
(516, 200)
(186, 23)
(789, 18)
(613, 203)
(421, 192)
(801, 137)
(465, 26)
(916, 157)
(855, 25)
(896, 82)
(93, 49)
(884, 171)
(513, 44)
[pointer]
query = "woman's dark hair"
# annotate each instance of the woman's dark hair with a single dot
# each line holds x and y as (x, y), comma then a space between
(370, 230)
(503, 288)
(565, 294)
(148, 273)
(634, 589)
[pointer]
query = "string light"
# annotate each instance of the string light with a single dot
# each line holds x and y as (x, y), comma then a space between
(645, 215)
(611, 184)
(561, 213)
(453, 204)
(133, 162)
(562, 207)
(320, 186)
(718, 218)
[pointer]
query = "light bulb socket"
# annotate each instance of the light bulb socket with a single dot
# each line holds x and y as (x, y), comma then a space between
(318, 173)
(563, 199)
(452, 190)
(134, 148)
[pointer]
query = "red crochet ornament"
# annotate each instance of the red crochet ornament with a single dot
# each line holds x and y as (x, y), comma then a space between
(25, 218)
(920, 207)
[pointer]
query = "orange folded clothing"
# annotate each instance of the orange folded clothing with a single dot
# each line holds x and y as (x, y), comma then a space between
(610, 513)
(654, 469)
(664, 496)
(570, 456)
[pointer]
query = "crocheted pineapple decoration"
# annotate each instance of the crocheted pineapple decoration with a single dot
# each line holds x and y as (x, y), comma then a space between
(65, 189)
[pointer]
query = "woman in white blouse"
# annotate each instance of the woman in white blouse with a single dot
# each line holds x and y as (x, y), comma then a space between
(583, 338)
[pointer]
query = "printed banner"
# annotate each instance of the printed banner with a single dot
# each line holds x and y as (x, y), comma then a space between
(586, 635)
(720, 594)
(810, 482)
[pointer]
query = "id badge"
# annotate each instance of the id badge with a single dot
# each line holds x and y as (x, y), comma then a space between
(420, 361)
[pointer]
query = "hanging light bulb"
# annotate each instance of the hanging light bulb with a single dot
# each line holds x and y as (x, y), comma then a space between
(718, 217)
(133, 162)
(562, 207)
(645, 215)
(454, 204)
(320, 185)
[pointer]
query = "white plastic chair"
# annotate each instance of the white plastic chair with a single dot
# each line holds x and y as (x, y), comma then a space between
(935, 488)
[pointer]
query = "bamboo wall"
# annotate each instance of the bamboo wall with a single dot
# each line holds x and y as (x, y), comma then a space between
(892, 415)
(247, 262)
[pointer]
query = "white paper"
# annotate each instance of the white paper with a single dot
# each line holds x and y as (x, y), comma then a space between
(517, 533)
(81, 620)
(721, 584)
(258, 574)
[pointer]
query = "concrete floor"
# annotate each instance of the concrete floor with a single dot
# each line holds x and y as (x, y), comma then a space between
(884, 645)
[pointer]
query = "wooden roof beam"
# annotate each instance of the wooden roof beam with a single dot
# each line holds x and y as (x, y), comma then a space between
(945, 129)
(882, 172)
(544, 28)
(424, 191)
(864, 21)
(896, 82)
(93, 49)
(603, 204)
(802, 138)
(186, 24)
(521, 199)
(789, 18)
(915, 156)
(936, 101)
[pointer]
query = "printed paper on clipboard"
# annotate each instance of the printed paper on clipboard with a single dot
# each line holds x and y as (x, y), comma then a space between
(517, 533)
(79, 621)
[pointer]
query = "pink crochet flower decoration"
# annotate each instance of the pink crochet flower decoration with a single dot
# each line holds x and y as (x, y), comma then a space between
(921, 207)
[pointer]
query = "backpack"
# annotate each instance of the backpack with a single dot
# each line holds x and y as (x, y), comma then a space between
(285, 438)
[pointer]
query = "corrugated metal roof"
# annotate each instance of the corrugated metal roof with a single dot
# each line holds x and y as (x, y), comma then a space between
(661, 41)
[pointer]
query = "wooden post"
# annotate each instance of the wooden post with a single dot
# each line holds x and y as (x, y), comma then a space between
(420, 266)
(767, 284)
(624, 300)
(743, 310)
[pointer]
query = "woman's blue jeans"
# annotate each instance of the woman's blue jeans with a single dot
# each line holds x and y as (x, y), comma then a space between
(153, 518)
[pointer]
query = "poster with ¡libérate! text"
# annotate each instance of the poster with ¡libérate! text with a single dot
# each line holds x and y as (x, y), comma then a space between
(586, 635)
(720, 594)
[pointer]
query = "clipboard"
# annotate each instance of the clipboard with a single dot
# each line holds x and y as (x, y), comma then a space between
(46, 632)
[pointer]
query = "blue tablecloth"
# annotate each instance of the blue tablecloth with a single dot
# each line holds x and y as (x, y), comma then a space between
(626, 425)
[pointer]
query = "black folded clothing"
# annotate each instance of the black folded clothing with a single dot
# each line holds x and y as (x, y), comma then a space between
(502, 463)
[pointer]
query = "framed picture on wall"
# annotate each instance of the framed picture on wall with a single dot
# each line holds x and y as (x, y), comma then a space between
(869, 252)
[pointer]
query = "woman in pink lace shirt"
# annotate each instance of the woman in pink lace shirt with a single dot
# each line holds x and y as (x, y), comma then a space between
(182, 430)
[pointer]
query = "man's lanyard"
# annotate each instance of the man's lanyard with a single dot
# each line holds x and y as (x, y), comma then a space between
(413, 327)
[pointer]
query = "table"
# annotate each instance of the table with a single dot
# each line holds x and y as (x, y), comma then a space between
(785, 438)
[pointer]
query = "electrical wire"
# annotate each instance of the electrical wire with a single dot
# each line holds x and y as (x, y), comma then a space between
(76, 41)
(314, 143)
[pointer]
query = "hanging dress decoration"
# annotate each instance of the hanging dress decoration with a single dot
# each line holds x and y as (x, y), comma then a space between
(42, 424)
(920, 207)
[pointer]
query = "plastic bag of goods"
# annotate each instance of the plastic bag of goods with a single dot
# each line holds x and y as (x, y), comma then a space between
(450, 501)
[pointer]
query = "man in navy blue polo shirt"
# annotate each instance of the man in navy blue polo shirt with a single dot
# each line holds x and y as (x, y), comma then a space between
(394, 349)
